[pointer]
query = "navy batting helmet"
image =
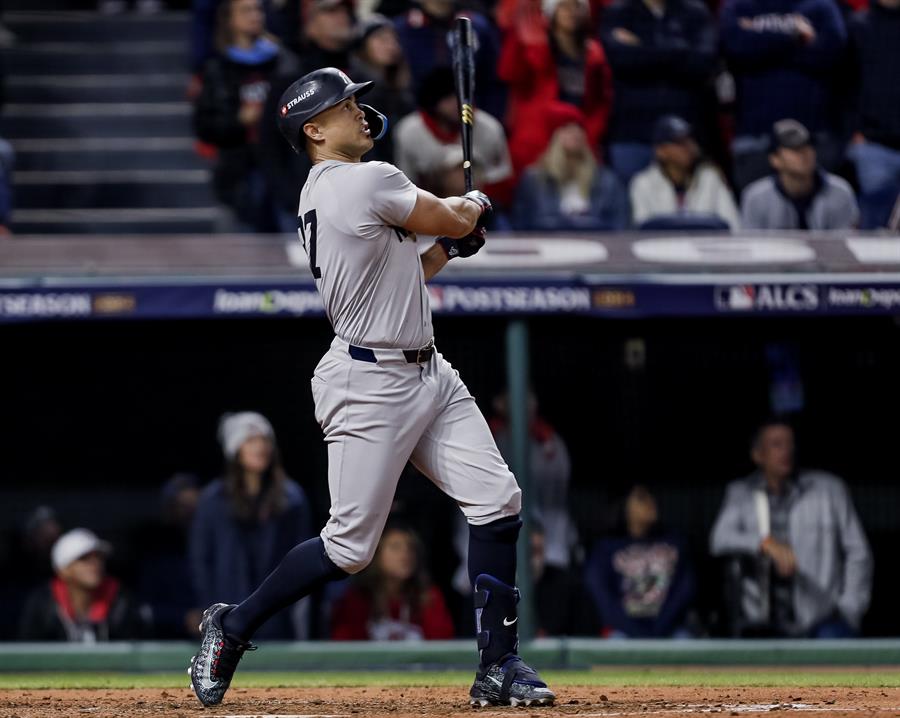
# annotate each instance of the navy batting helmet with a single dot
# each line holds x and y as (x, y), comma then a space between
(315, 92)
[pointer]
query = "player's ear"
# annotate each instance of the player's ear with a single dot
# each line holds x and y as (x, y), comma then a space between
(313, 131)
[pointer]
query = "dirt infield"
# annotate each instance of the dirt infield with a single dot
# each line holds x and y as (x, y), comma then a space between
(443, 701)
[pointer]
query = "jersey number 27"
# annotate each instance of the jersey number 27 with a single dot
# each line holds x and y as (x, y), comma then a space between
(308, 221)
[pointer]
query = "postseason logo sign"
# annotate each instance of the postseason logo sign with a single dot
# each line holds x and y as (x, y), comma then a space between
(767, 298)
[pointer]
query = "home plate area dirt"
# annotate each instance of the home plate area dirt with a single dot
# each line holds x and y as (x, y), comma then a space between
(443, 701)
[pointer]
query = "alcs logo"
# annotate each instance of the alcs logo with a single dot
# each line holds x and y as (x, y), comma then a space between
(767, 297)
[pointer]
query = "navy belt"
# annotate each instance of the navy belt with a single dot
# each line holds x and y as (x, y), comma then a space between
(412, 356)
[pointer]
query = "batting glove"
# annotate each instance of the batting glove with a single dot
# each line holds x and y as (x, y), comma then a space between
(481, 199)
(464, 247)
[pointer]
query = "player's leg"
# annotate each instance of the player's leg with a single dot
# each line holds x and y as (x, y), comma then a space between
(459, 454)
(371, 426)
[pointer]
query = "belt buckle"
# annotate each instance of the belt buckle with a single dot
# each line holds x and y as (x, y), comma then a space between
(427, 348)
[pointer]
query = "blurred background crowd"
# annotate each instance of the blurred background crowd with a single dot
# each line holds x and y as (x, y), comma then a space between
(787, 543)
(591, 114)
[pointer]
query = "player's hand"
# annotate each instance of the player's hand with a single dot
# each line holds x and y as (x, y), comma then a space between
(465, 246)
(481, 199)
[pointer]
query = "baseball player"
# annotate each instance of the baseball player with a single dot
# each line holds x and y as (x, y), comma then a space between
(383, 393)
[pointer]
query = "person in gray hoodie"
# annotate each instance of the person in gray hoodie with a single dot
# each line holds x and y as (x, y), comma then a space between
(799, 195)
(809, 566)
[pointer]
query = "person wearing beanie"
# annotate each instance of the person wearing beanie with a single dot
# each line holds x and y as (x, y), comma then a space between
(663, 56)
(567, 188)
(378, 57)
(81, 604)
(247, 519)
(549, 58)
(680, 183)
(427, 140)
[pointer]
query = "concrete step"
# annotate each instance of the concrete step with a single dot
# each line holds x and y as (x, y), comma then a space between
(44, 89)
(112, 189)
(120, 153)
(132, 119)
(92, 58)
(135, 220)
(29, 26)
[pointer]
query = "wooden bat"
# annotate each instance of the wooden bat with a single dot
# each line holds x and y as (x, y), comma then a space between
(462, 49)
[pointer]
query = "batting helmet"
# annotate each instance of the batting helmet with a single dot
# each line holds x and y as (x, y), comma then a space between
(315, 92)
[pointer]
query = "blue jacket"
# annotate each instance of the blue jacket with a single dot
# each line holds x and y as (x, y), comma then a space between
(641, 587)
(876, 43)
(777, 75)
(230, 558)
(537, 204)
(669, 72)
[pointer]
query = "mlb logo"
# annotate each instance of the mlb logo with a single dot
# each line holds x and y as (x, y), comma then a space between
(346, 79)
(436, 297)
(284, 110)
(737, 298)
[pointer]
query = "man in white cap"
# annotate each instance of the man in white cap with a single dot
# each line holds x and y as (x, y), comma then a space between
(81, 603)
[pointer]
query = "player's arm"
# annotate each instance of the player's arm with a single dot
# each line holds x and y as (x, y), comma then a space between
(453, 217)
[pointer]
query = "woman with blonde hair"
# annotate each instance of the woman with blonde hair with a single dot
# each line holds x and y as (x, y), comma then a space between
(567, 188)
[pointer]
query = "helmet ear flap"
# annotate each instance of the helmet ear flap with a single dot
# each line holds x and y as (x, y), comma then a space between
(378, 123)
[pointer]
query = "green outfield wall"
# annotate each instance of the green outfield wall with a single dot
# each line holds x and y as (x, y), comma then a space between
(563, 653)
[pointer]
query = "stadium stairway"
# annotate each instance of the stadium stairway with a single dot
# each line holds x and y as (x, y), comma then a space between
(96, 111)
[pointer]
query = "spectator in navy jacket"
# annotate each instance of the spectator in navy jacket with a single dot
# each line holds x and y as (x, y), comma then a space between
(567, 188)
(783, 55)
(423, 36)
(229, 110)
(876, 143)
(641, 578)
(663, 57)
(247, 520)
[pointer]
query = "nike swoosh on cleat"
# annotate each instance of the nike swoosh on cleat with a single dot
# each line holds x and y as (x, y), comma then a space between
(509, 623)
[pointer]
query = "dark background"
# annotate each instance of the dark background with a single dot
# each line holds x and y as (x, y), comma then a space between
(95, 416)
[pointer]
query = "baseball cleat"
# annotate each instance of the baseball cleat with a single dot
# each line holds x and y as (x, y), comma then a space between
(510, 682)
(212, 668)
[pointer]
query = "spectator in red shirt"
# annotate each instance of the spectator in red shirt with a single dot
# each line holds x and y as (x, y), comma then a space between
(550, 59)
(393, 599)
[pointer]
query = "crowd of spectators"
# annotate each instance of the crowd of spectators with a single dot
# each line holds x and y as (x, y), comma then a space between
(590, 115)
(791, 552)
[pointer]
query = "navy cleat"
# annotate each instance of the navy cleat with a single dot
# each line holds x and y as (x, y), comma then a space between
(213, 667)
(503, 678)
(509, 683)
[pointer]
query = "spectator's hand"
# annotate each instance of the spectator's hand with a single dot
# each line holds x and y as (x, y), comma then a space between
(805, 30)
(782, 556)
(858, 138)
(625, 37)
(250, 113)
(530, 26)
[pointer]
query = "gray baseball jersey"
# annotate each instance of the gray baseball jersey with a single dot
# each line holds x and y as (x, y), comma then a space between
(366, 267)
(381, 410)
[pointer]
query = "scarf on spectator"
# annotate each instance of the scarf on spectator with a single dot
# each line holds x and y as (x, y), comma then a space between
(262, 51)
(100, 603)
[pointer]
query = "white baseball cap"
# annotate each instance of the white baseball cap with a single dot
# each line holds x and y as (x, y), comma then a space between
(235, 429)
(74, 544)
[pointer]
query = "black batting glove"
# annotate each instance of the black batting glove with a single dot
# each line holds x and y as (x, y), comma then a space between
(483, 201)
(465, 246)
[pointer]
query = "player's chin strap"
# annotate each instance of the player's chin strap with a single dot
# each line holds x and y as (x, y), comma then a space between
(496, 619)
(378, 123)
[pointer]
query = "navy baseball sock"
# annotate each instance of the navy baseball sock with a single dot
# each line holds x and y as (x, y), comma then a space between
(492, 549)
(301, 571)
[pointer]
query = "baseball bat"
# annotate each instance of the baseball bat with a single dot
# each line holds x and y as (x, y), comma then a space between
(463, 59)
